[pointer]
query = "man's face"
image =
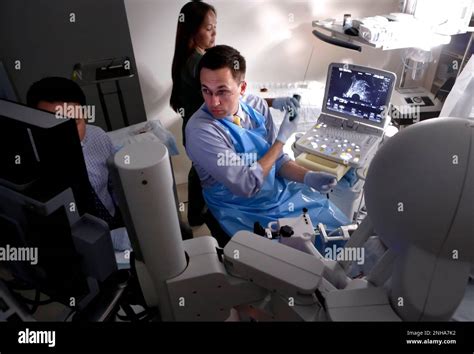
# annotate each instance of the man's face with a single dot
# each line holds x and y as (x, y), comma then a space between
(55, 107)
(221, 91)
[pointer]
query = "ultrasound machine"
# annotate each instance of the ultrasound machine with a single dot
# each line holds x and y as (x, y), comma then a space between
(354, 115)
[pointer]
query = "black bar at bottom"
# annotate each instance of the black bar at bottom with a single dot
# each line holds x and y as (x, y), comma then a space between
(220, 337)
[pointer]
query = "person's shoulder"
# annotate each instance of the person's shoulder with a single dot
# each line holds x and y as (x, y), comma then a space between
(97, 134)
(94, 129)
(202, 125)
(192, 64)
(199, 118)
(254, 100)
(195, 56)
(250, 97)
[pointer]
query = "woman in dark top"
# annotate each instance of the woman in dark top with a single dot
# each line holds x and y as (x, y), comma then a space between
(196, 32)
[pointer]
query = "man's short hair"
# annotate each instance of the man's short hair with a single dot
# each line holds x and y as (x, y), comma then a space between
(224, 56)
(55, 89)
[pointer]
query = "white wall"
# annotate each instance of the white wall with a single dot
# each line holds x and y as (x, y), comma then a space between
(274, 36)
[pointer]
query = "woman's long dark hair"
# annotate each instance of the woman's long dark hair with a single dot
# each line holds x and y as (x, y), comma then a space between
(191, 17)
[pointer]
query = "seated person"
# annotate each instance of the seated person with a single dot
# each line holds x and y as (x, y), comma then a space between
(232, 143)
(51, 94)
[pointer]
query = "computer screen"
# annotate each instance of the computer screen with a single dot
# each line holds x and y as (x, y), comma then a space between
(361, 94)
(41, 155)
(41, 161)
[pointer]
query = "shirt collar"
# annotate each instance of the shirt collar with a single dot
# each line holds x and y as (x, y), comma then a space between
(240, 113)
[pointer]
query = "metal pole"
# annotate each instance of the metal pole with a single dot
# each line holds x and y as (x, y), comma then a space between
(464, 58)
(122, 104)
(104, 107)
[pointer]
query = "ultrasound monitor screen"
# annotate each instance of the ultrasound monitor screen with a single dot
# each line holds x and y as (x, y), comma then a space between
(363, 95)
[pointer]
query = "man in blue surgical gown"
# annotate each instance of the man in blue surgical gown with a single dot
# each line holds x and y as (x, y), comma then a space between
(239, 158)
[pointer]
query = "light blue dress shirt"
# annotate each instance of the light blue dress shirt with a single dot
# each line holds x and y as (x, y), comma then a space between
(207, 140)
(97, 148)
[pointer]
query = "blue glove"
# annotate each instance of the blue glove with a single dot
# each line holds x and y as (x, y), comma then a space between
(286, 103)
(321, 181)
(287, 127)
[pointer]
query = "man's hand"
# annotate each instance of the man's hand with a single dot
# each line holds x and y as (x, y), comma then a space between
(321, 181)
(287, 127)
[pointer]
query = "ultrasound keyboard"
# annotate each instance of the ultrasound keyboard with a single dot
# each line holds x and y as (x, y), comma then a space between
(337, 144)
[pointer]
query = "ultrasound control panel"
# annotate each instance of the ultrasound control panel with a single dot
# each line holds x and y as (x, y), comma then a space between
(337, 144)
